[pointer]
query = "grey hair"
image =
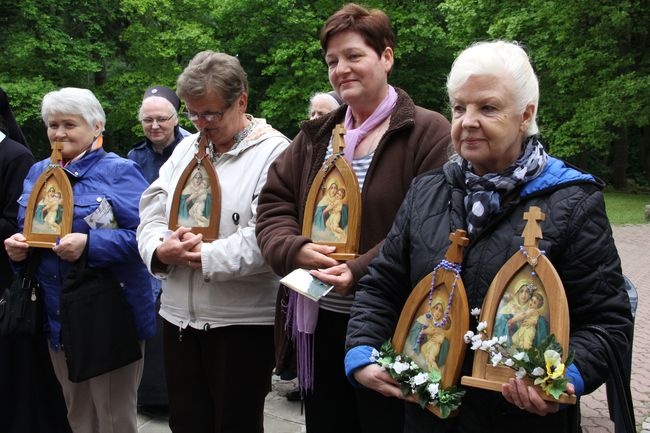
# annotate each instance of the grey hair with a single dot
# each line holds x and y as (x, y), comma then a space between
(210, 71)
(172, 109)
(76, 102)
(495, 58)
(332, 102)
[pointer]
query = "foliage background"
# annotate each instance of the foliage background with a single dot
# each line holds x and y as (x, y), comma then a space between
(592, 59)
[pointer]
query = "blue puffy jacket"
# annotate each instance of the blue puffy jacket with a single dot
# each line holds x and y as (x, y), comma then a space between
(96, 177)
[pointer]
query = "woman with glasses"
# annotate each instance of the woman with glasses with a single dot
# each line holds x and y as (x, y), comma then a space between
(218, 298)
(389, 141)
(158, 116)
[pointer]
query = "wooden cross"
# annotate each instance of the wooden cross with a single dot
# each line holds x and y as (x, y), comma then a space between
(57, 155)
(533, 230)
(338, 144)
(202, 151)
(455, 251)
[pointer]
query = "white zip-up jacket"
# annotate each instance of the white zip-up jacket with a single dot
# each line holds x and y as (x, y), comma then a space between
(235, 286)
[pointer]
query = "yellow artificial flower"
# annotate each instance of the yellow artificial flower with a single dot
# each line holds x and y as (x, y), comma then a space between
(554, 365)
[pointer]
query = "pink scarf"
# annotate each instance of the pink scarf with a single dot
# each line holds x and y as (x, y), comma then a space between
(355, 136)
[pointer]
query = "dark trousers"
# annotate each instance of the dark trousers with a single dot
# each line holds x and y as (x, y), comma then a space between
(335, 405)
(153, 386)
(217, 379)
(484, 411)
(31, 399)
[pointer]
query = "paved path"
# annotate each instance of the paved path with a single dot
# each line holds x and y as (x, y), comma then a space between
(633, 242)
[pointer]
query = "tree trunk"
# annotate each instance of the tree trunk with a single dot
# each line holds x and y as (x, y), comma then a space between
(645, 151)
(619, 176)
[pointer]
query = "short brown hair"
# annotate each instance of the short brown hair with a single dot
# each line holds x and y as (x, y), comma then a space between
(210, 71)
(373, 25)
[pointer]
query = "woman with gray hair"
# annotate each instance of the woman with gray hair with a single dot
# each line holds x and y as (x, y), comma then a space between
(218, 297)
(75, 118)
(322, 103)
(499, 171)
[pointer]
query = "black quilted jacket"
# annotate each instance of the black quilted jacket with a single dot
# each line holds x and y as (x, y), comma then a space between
(577, 239)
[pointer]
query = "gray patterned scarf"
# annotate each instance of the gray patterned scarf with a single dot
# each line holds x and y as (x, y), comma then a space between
(484, 193)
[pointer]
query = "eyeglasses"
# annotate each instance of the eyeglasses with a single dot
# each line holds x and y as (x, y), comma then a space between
(208, 116)
(158, 120)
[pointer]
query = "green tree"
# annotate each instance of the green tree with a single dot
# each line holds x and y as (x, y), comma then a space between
(48, 47)
(592, 61)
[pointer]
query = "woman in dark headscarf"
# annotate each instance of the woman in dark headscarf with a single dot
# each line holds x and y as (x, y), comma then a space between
(31, 398)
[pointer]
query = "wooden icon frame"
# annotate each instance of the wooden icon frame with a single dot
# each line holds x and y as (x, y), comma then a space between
(524, 262)
(416, 305)
(200, 162)
(335, 170)
(53, 177)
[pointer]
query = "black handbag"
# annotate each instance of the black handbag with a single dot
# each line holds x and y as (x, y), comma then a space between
(97, 328)
(619, 396)
(21, 304)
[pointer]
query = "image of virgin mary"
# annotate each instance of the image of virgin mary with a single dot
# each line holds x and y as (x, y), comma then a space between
(330, 202)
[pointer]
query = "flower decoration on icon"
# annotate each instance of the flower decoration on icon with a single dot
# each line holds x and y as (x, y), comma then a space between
(413, 380)
(541, 362)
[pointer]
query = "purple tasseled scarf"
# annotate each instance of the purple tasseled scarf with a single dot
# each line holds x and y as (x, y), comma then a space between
(302, 315)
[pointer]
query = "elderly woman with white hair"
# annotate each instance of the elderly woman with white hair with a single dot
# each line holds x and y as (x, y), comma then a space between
(499, 170)
(75, 118)
(322, 103)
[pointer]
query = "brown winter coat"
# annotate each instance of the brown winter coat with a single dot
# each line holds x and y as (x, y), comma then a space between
(416, 141)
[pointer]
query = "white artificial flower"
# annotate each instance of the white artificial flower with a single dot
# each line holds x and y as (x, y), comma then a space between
(400, 367)
(509, 362)
(420, 379)
(476, 342)
(503, 339)
(519, 356)
(496, 359)
(538, 371)
(433, 390)
(521, 373)
(374, 356)
(481, 326)
(468, 336)
(488, 344)
(475, 312)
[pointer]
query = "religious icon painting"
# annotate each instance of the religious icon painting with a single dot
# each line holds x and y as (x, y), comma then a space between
(50, 206)
(524, 305)
(197, 197)
(522, 316)
(333, 210)
(435, 318)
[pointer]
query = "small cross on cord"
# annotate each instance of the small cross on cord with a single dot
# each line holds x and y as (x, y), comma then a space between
(533, 230)
(57, 155)
(455, 251)
(203, 148)
(337, 138)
